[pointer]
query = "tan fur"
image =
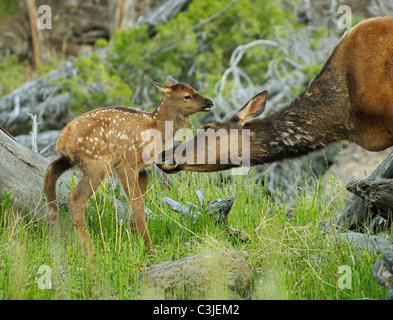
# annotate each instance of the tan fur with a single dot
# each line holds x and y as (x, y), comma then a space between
(365, 60)
(112, 137)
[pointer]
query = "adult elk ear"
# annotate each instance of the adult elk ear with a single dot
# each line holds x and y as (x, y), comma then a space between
(170, 81)
(252, 108)
(163, 88)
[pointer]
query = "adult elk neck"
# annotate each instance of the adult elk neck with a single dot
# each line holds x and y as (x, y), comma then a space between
(305, 125)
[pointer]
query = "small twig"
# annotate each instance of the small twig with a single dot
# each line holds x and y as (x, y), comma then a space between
(46, 148)
(34, 132)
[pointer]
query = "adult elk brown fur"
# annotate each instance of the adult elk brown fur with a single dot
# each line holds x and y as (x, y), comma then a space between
(112, 137)
(351, 99)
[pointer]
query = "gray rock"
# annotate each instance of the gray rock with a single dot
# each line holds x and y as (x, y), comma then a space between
(205, 275)
(218, 209)
(361, 241)
(383, 270)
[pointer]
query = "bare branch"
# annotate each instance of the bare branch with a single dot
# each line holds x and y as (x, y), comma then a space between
(215, 16)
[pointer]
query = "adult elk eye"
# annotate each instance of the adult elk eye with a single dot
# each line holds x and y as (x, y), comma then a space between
(206, 128)
(187, 97)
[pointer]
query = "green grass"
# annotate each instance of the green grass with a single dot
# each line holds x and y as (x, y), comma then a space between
(291, 258)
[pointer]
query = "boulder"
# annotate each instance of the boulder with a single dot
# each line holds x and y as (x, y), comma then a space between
(365, 242)
(383, 270)
(215, 273)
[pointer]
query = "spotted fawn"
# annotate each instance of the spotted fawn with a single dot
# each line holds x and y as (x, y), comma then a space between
(111, 137)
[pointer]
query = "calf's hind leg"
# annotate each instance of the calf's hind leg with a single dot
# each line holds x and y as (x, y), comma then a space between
(78, 199)
(53, 172)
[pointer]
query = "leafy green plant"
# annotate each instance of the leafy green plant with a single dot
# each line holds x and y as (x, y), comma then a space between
(12, 74)
(95, 86)
(194, 54)
(192, 47)
(7, 8)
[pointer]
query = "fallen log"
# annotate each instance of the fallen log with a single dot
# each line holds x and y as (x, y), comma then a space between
(376, 193)
(354, 214)
(21, 174)
(42, 97)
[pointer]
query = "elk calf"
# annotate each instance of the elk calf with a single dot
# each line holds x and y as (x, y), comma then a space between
(111, 137)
